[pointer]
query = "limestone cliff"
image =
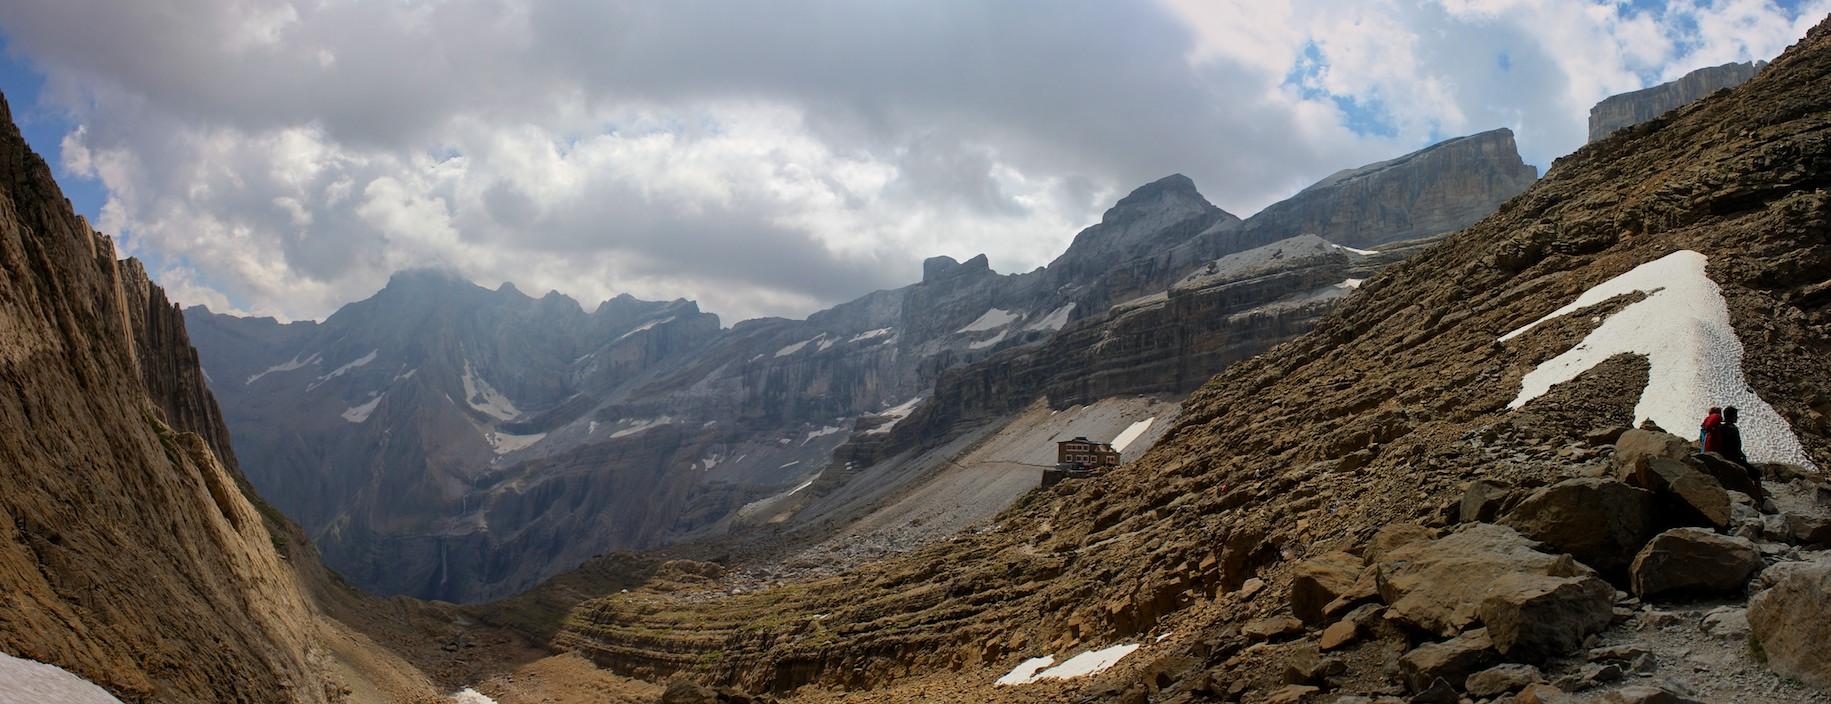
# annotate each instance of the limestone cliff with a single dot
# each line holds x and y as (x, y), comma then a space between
(130, 555)
(1627, 109)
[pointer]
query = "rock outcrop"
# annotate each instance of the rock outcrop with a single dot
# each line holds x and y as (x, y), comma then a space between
(1628, 109)
(130, 556)
(1791, 620)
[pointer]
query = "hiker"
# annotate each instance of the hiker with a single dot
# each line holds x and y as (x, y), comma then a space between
(1710, 423)
(1726, 438)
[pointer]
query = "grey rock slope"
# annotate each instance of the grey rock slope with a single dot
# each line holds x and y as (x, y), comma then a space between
(1627, 109)
(448, 441)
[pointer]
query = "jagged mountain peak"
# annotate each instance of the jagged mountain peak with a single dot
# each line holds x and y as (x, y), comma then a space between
(946, 267)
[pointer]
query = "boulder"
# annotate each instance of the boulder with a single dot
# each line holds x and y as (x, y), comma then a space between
(1439, 585)
(1726, 622)
(1637, 445)
(1307, 665)
(1689, 493)
(1452, 660)
(1483, 500)
(1319, 580)
(1601, 522)
(1393, 536)
(1501, 679)
(1292, 694)
(1732, 476)
(1693, 561)
(1790, 622)
(1272, 628)
(1534, 616)
(1338, 634)
(1807, 529)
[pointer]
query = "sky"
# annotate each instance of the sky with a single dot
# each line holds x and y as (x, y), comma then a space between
(284, 158)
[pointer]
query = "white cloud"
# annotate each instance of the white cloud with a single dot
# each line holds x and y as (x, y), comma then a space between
(285, 158)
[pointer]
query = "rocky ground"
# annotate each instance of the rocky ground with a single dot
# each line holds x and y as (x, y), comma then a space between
(1292, 477)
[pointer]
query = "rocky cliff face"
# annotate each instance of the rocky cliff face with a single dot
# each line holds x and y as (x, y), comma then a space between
(130, 555)
(451, 442)
(1312, 524)
(1628, 109)
(1429, 192)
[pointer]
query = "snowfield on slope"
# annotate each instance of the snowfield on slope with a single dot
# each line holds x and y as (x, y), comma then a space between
(1131, 433)
(1682, 327)
(31, 682)
(1087, 663)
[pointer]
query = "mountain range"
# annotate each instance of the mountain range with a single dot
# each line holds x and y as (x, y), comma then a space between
(1365, 459)
(446, 441)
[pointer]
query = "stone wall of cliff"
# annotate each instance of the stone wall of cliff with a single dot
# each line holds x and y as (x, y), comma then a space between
(1628, 109)
(128, 553)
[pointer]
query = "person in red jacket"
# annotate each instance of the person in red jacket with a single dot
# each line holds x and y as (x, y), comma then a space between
(1726, 439)
(1710, 423)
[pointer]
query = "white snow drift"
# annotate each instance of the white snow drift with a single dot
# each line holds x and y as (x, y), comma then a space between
(31, 682)
(1682, 327)
(1131, 433)
(1087, 663)
(990, 320)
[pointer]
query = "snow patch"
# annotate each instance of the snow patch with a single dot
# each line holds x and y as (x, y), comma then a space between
(483, 397)
(802, 485)
(471, 696)
(712, 460)
(1350, 283)
(1025, 672)
(23, 681)
(872, 334)
(1081, 665)
(823, 432)
(641, 424)
(982, 344)
(897, 413)
(1130, 434)
(360, 361)
(358, 414)
(1362, 252)
(650, 325)
(791, 349)
(1055, 320)
(1682, 327)
(506, 443)
(990, 320)
(284, 367)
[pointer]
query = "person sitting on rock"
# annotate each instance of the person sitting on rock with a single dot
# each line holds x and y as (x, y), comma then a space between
(1710, 423)
(1726, 439)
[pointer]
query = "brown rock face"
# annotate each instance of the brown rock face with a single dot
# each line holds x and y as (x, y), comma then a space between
(1627, 109)
(1531, 616)
(1443, 187)
(1693, 561)
(1439, 586)
(130, 555)
(1320, 580)
(1601, 522)
(1452, 660)
(1791, 622)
